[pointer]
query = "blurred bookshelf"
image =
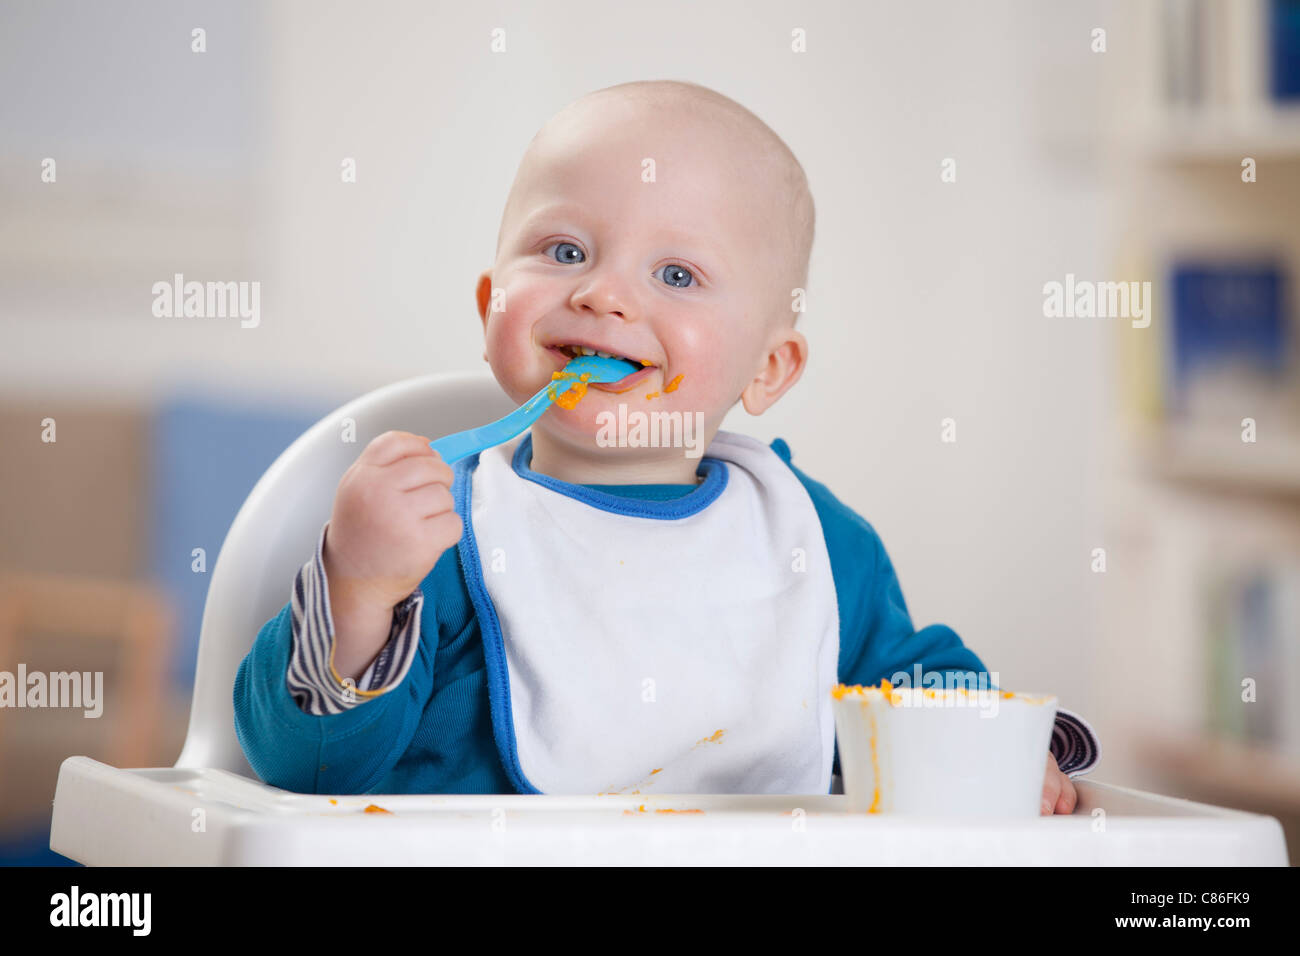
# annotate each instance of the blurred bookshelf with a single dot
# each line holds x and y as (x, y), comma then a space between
(1213, 459)
(1204, 464)
(1213, 135)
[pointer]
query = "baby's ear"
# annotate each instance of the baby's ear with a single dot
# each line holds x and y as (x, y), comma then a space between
(786, 359)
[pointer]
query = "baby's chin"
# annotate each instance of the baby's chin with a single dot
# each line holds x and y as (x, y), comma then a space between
(625, 426)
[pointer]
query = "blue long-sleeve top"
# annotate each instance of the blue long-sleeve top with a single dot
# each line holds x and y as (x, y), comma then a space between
(419, 721)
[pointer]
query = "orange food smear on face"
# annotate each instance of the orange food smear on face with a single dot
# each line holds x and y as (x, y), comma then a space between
(646, 362)
(652, 395)
(374, 809)
(672, 386)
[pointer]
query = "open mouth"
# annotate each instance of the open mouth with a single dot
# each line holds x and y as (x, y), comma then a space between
(644, 367)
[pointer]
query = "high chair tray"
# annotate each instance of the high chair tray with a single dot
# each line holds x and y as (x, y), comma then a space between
(177, 816)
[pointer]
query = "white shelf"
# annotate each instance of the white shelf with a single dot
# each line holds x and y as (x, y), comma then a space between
(1218, 458)
(1216, 135)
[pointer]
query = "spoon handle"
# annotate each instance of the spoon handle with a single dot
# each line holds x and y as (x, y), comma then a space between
(460, 445)
(584, 369)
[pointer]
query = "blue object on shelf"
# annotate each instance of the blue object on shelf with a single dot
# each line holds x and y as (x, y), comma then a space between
(207, 454)
(1227, 312)
(1284, 49)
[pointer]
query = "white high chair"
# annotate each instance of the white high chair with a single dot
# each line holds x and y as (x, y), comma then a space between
(275, 532)
(211, 809)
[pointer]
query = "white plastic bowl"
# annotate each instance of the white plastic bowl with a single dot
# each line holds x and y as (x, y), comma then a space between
(980, 753)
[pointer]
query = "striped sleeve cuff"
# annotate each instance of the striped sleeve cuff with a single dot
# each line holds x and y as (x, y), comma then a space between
(313, 683)
(1074, 744)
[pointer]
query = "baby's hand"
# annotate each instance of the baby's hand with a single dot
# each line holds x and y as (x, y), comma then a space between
(393, 518)
(1059, 795)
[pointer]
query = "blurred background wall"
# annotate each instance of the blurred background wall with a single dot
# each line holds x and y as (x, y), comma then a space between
(1101, 157)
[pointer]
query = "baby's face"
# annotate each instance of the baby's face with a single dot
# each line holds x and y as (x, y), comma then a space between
(676, 272)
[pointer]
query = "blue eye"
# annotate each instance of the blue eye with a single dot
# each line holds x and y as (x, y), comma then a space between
(567, 255)
(677, 276)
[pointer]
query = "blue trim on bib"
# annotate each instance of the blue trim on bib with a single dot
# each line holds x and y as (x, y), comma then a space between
(494, 654)
(713, 470)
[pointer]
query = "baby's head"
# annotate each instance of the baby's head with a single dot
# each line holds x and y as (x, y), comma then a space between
(663, 222)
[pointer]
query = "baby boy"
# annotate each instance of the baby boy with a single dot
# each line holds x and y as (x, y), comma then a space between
(575, 613)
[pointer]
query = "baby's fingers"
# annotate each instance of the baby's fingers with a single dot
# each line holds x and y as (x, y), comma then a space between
(1051, 786)
(1065, 803)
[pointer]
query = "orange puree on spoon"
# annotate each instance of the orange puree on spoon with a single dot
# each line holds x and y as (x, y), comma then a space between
(569, 400)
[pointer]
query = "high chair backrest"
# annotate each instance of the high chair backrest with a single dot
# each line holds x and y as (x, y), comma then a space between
(276, 531)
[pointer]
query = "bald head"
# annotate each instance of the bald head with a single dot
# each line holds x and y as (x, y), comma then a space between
(766, 163)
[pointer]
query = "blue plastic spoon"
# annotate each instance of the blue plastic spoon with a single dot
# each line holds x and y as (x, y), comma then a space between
(459, 445)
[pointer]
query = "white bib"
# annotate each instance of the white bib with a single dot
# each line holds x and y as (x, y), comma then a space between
(684, 646)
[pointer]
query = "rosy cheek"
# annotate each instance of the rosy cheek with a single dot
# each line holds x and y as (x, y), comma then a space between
(508, 336)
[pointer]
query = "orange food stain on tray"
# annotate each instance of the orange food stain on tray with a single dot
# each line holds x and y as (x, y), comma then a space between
(715, 738)
(372, 808)
(642, 809)
(672, 386)
(333, 801)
